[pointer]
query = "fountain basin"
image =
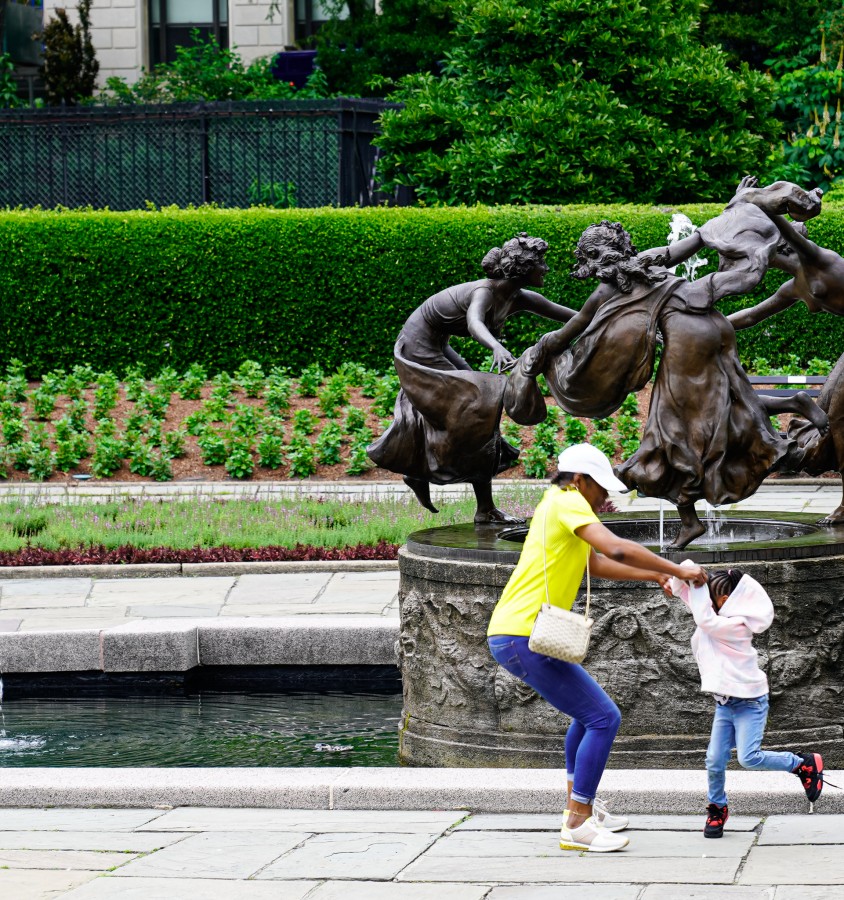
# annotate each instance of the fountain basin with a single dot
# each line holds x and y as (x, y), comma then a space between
(462, 709)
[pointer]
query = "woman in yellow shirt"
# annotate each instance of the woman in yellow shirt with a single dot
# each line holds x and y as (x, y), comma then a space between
(564, 533)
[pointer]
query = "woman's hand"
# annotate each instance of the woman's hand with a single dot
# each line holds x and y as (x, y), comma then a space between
(503, 359)
(694, 573)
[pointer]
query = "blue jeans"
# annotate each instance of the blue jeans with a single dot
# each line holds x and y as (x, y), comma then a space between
(569, 688)
(740, 723)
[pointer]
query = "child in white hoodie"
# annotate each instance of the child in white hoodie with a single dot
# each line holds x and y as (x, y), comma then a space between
(728, 611)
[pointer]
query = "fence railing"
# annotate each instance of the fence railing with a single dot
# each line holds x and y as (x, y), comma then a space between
(305, 153)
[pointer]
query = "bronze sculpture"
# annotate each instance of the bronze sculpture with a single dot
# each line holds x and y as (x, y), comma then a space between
(708, 434)
(446, 421)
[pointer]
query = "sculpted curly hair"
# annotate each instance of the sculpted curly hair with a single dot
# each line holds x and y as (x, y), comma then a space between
(614, 258)
(515, 258)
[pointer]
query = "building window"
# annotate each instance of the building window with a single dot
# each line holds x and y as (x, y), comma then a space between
(311, 15)
(172, 21)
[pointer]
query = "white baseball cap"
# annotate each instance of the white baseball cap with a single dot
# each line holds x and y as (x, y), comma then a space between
(588, 460)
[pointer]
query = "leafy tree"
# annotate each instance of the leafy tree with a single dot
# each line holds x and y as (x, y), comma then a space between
(367, 53)
(562, 100)
(70, 64)
(206, 71)
(9, 98)
(754, 32)
(808, 99)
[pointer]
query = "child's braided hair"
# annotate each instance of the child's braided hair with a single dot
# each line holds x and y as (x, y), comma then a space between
(723, 582)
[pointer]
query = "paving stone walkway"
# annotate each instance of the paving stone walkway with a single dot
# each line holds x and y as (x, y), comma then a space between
(227, 854)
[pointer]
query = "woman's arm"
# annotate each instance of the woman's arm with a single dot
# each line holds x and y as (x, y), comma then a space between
(479, 305)
(542, 306)
(676, 253)
(634, 555)
(782, 299)
(602, 567)
(806, 249)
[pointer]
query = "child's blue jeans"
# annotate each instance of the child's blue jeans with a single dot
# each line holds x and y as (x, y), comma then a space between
(571, 689)
(740, 723)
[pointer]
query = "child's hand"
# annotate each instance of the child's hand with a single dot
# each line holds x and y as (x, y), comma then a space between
(664, 581)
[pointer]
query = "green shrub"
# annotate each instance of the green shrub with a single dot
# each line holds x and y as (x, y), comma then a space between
(42, 463)
(332, 395)
(162, 469)
(304, 422)
(359, 463)
(192, 382)
(212, 447)
(270, 451)
(385, 394)
(355, 420)
(108, 285)
(250, 377)
(107, 457)
(239, 462)
(575, 430)
(300, 455)
(601, 101)
(535, 461)
(278, 390)
(173, 443)
(328, 444)
(309, 381)
(43, 402)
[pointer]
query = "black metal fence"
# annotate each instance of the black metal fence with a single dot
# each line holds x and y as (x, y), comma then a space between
(302, 153)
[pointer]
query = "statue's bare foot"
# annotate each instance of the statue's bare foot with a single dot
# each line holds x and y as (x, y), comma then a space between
(422, 489)
(495, 516)
(686, 535)
(834, 518)
(810, 410)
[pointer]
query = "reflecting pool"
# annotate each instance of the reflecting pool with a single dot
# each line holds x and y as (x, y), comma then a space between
(298, 728)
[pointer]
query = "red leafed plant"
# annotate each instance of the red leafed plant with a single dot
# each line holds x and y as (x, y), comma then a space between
(100, 555)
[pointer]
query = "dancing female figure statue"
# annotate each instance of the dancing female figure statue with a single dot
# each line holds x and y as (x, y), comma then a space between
(708, 435)
(446, 420)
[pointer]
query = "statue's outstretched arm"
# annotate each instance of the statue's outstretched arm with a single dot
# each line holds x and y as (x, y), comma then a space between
(674, 254)
(782, 299)
(541, 306)
(806, 249)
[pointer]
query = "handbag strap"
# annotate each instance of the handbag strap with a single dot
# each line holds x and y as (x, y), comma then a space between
(545, 566)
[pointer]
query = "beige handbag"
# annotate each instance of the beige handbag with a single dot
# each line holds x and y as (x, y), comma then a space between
(559, 632)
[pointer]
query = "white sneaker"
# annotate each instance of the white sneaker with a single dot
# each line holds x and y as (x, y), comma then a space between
(606, 818)
(592, 837)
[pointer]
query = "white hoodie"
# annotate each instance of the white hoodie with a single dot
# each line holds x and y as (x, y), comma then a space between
(722, 642)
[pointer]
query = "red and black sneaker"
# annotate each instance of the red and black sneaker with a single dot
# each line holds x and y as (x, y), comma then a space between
(810, 773)
(716, 816)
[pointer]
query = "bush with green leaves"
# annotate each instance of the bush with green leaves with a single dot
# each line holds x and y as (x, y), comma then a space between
(191, 383)
(535, 461)
(203, 70)
(574, 430)
(332, 395)
(363, 53)
(597, 102)
(304, 422)
(328, 444)
(107, 457)
(359, 462)
(162, 468)
(249, 376)
(16, 384)
(134, 383)
(42, 463)
(212, 448)
(141, 459)
(385, 394)
(300, 455)
(173, 443)
(270, 451)
(512, 433)
(310, 380)
(355, 420)
(245, 420)
(239, 462)
(43, 402)
(278, 390)
(105, 395)
(605, 441)
(106, 307)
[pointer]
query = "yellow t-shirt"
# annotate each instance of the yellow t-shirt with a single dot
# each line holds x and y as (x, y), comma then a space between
(558, 515)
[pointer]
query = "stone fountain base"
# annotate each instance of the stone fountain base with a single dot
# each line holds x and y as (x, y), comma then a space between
(462, 709)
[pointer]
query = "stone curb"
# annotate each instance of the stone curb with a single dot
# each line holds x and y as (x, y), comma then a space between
(177, 645)
(194, 570)
(636, 791)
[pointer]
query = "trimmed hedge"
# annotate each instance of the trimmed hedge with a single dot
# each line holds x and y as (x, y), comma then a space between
(290, 287)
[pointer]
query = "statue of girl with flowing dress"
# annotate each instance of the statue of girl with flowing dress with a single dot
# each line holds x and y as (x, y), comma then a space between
(445, 425)
(708, 434)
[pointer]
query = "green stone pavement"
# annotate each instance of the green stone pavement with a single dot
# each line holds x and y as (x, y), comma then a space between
(208, 853)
